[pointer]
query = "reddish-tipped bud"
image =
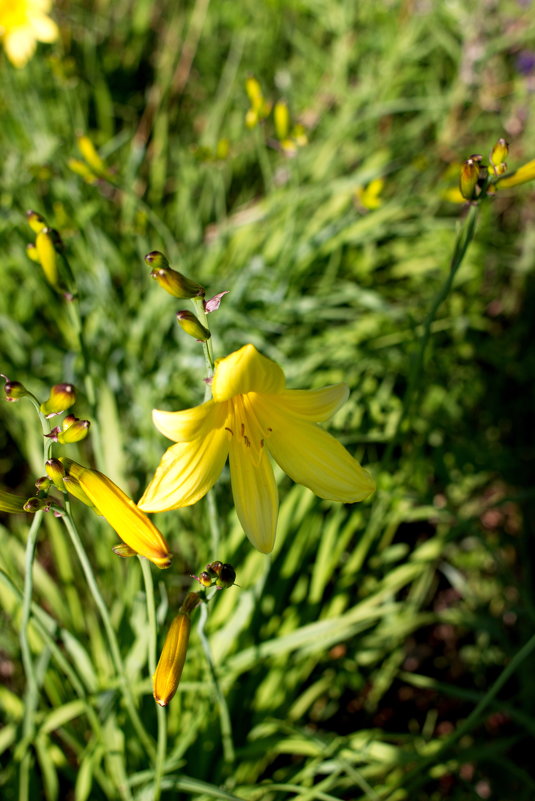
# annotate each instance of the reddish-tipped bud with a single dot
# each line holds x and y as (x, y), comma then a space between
(35, 505)
(75, 431)
(56, 472)
(36, 221)
(62, 397)
(177, 284)
(14, 389)
(43, 484)
(499, 152)
(469, 177)
(191, 325)
(156, 260)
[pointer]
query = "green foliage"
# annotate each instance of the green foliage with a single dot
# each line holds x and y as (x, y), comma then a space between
(382, 652)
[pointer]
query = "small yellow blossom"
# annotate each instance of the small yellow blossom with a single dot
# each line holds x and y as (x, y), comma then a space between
(253, 415)
(133, 527)
(23, 23)
(368, 197)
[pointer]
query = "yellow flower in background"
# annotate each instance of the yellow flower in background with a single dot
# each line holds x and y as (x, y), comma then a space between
(369, 197)
(23, 23)
(251, 416)
(133, 527)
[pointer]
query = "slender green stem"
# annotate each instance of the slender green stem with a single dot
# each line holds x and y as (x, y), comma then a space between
(160, 711)
(89, 383)
(32, 684)
(462, 242)
(412, 780)
(198, 305)
(224, 716)
(128, 696)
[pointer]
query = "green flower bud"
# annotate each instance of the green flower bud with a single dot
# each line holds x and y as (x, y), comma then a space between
(226, 576)
(36, 221)
(14, 390)
(56, 472)
(189, 323)
(74, 431)
(35, 505)
(156, 260)
(43, 484)
(469, 177)
(62, 396)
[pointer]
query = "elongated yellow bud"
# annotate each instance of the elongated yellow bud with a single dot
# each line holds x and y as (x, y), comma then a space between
(88, 151)
(171, 663)
(55, 471)
(281, 118)
(131, 524)
(177, 284)
(74, 489)
(47, 255)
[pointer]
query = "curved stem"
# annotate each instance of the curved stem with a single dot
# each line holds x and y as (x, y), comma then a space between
(462, 242)
(224, 717)
(112, 639)
(160, 710)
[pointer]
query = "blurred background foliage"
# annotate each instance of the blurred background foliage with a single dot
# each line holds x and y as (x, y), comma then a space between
(360, 660)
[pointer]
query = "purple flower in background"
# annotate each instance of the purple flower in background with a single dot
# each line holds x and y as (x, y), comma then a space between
(525, 62)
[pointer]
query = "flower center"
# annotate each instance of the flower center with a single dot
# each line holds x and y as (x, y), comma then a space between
(244, 426)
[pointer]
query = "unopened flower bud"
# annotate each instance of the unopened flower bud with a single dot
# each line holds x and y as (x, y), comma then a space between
(469, 178)
(35, 505)
(226, 576)
(191, 325)
(205, 579)
(14, 390)
(88, 151)
(43, 484)
(171, 663)
(74, 432)
(55, 471)
(36, 221)
(47, 254)
(81, 168)
(123, 550)
(31, 252)
(499, 152)
(281, 118)
(62, 396)
(73, 488)
(177, 284)
(156, 260)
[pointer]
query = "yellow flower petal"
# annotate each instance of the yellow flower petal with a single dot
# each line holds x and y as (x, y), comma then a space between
(190, 423)
(312, 457)
(19, 45)
(189, 469)
(315, 405)
(132, 526)
(255, 495)
(524, 173)
(246, 370)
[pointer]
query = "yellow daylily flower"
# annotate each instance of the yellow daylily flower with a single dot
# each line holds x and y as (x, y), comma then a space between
(133, 527)
(23, 23)
(253, 415)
